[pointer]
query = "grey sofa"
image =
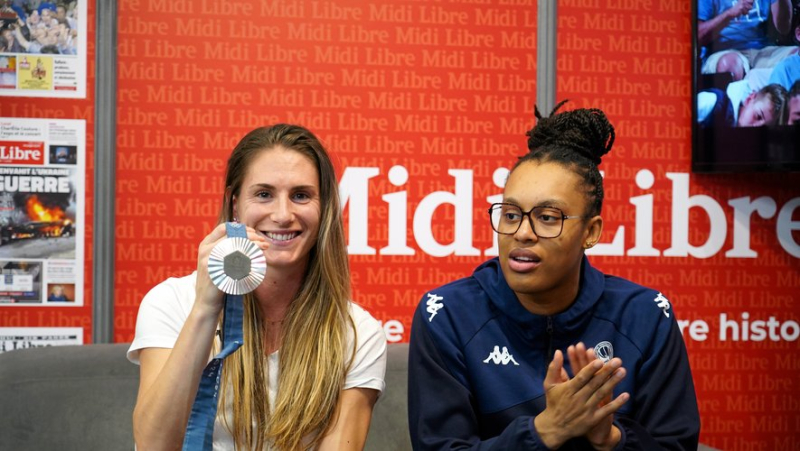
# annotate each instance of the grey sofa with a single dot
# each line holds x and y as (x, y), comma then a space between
(82, 397)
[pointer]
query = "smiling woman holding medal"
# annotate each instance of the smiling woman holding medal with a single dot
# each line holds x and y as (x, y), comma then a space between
(293, 364)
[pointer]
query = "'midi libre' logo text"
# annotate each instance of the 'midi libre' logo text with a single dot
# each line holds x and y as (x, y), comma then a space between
(21, 153)
(355, 188)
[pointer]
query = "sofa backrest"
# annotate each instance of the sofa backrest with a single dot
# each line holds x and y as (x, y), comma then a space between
(82, 398)
(389, 428)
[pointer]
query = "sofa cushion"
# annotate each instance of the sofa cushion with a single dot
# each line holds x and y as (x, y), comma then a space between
(67, 398)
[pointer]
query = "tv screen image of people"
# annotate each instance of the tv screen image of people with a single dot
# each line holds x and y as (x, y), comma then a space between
(746, 86)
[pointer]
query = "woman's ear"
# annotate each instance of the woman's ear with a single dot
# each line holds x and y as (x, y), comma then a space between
(594, 228)
(234, 208)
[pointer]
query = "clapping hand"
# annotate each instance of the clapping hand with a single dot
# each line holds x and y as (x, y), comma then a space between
(604, 435)
(583, 405)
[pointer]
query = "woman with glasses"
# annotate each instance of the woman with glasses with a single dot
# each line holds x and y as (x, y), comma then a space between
(538, 349)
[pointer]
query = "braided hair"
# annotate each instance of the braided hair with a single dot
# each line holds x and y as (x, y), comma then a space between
(575, 139)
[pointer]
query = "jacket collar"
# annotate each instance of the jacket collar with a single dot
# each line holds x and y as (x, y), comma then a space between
(571, 321)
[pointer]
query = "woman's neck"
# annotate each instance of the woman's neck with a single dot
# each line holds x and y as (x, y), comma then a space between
(554, 300)
(275, 296)
(276, 293)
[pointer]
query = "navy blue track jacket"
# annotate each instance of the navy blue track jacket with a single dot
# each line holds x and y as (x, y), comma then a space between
(478, 359)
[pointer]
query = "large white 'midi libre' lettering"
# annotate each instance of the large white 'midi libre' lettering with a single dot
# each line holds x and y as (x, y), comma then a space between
(354, 188)
(682, 203)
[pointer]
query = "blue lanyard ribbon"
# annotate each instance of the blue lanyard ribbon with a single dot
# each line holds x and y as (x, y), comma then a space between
(200, 429)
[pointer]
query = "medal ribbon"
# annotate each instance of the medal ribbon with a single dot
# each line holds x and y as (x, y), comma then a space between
(200, 429)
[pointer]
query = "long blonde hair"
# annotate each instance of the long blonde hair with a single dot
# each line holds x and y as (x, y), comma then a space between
(314, 358)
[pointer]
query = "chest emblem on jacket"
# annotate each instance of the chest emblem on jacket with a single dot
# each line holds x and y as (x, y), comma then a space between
(663, 303)
(433, 305)
(604, 351)
(500, 358)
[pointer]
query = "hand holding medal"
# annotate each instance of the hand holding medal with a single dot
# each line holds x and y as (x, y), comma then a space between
(236, 266)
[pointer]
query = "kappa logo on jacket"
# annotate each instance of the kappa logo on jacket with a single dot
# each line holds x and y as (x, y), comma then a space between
(663, 303)
(433, 305)
(500, 357)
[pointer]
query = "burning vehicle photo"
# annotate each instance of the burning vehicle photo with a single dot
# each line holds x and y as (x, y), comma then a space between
(37, 226)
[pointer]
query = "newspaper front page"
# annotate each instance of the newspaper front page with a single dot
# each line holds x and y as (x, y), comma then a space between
(42, 195)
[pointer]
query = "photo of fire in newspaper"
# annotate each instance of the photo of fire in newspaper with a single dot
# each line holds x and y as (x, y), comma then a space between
(37, 213)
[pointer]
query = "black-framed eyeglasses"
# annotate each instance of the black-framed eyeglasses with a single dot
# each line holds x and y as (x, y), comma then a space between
(546, 222)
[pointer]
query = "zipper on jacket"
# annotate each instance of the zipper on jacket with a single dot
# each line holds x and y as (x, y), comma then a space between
(549, 339)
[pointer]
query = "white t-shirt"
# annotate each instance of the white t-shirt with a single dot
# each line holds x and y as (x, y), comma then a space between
(165, 308)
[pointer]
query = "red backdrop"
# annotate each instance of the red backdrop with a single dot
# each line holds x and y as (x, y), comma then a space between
(423, 105)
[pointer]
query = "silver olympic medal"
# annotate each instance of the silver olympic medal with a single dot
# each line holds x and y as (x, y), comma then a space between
(236, 266)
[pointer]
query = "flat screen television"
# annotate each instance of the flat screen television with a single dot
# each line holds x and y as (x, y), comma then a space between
(746, 86)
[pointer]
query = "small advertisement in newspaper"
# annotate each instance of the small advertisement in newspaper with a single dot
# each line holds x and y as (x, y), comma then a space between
(13, 338)
(43, 48)
(42, 172)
